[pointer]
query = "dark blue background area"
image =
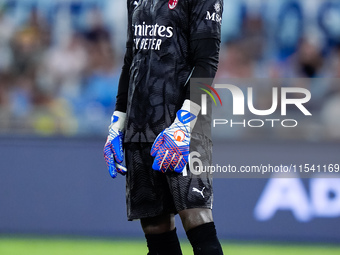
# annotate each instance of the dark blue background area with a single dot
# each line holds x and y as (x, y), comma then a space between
(60, 186)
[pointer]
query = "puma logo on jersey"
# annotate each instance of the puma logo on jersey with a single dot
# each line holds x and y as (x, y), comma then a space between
(199, 191)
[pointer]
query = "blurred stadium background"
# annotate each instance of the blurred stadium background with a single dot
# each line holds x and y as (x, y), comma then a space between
(60, 63)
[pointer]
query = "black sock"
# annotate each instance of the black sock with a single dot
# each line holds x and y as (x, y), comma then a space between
(204, 240)
(163, 244)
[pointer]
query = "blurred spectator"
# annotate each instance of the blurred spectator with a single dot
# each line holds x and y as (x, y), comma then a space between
(62, 68)
(242, 57)
(28, 45)
(97, 31)
(307, 62)
(7, 27)
(57, 75)
(6, 34)
(101, 83)
(235, 61)
(5, 114)
(334, 64)
(330, 116)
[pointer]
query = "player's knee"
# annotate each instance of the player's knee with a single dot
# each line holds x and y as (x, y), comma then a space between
(192, 218)
(159, 224)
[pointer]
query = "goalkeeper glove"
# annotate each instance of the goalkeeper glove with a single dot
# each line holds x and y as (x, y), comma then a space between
(171, 147)
(113, 149)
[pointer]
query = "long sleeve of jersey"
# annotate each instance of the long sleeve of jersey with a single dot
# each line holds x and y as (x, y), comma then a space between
(204, 43)
(123, 86)
(205, 53)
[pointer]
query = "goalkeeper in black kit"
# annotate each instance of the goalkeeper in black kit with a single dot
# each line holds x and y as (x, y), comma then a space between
(155, 121)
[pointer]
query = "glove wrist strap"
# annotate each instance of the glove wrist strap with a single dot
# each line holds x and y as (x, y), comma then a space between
(187, 115)
(118, 120)
(191, 107)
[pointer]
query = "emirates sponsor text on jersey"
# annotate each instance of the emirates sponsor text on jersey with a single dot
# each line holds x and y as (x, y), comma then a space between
(149, 37)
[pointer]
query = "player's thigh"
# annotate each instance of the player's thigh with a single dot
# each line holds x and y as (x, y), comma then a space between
(194, 217)
(147, 191)
(159, 224)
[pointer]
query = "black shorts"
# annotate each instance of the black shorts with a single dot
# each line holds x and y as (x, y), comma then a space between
(150, 193)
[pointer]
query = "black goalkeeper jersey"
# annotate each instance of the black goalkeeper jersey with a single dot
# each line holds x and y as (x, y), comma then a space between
(160, 33)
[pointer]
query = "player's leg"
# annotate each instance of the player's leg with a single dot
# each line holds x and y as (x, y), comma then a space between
(161, 236)
(193, 196)
(195, 217)
(149, 199)
(201, 232)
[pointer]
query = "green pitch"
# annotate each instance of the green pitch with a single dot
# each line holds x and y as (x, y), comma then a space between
(16, 246)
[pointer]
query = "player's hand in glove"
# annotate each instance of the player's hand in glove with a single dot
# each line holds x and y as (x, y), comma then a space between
(171, 147)
(113, 149)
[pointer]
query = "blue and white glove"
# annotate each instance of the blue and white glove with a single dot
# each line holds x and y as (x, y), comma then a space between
(113, 149)
(172, 147)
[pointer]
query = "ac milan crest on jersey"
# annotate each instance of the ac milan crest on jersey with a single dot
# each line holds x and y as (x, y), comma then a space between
(172, 4)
